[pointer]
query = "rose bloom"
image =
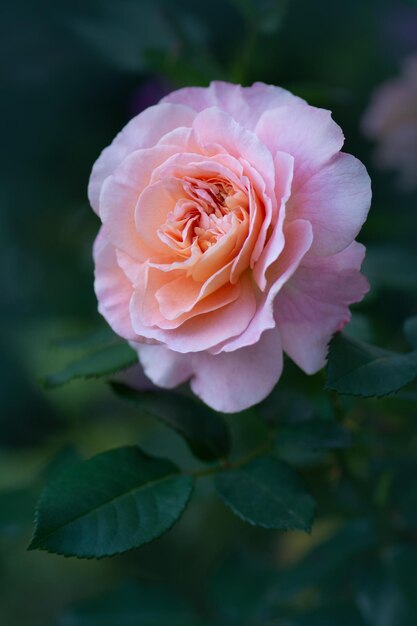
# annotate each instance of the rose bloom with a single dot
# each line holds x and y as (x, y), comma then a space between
(391, 120)
(228, 223)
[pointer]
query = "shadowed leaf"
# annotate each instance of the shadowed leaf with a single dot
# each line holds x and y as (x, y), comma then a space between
(111, 503)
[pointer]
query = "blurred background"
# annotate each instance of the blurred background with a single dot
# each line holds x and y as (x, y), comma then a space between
(74, 72)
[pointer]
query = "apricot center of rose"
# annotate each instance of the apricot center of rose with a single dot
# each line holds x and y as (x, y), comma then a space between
(209, 210)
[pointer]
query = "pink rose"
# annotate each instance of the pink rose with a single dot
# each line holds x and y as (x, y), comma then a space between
(391, 120)
(229, 217)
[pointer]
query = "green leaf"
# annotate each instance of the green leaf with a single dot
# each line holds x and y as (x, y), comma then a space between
(98, 338)
(101, 363)
(361, 369)
(267, 492)
(131, 605)
(317, 434)
(111, 503)
(204, 430)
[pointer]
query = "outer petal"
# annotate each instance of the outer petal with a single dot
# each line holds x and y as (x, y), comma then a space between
(233, 381)
(336, 200)
(112, 288)
(307, 133)
(163, 366)
(314, 304)
(143, 131)
(244, 104)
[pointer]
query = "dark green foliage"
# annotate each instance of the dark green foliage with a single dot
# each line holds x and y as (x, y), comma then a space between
(266, 492)
(113, 502)
(204, 430)
(103, 362)
(360, 369)
(316, 434)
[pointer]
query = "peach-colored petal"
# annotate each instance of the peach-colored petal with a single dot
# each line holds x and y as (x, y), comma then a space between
(119, 196)
(151, 307)
(253, 235)
(313, 305)
(143, 131)
(298, 240)
(204, 331)
(194, 165)
(221, 253)
(151, 212)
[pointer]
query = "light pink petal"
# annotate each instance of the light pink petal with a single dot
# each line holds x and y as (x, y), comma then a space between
(197, 165)
(244, 104)
(307, 133)
(143, 131)
(120, 194)
(314, 304)
(112, 288)
(284, 164)
(213, 126)
(163, 366)
(298, 239)
(233, 381)
(336, 200)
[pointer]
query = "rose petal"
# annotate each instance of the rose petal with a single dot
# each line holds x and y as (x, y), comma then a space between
(313, 305)
(298, 238)
(244, 104)
(336, 200)
(214, 126)
(142, 131)
(234, 381)
(307, 133)
(119, 197)
(284, 164)
(113, 289)
(204, 331)
(163, 366)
